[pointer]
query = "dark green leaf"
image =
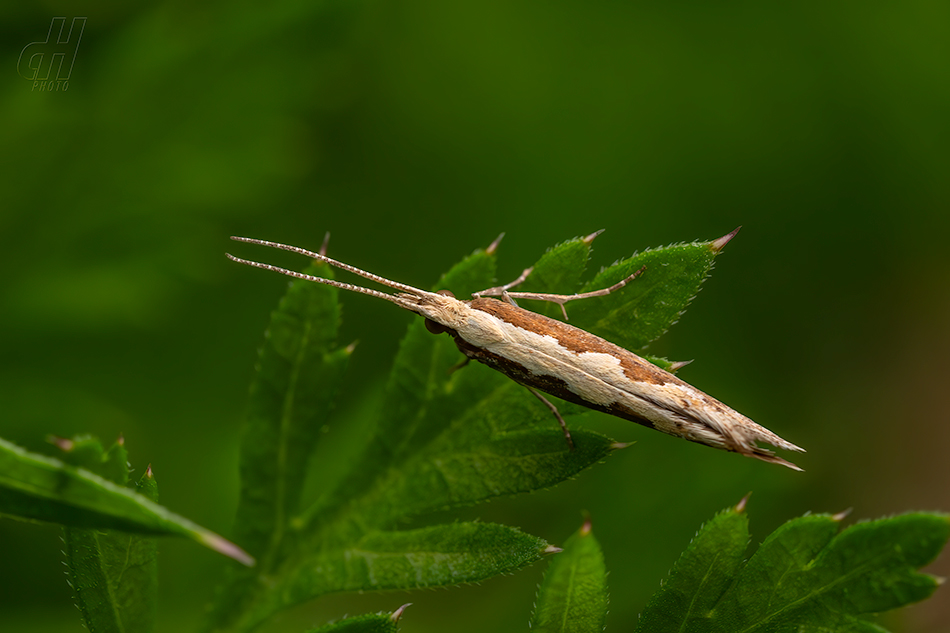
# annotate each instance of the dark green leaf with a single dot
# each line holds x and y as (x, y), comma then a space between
(434, 556)
(700, 577)
(37, 487)
(573, 596)
(805, 577)
(806, 574)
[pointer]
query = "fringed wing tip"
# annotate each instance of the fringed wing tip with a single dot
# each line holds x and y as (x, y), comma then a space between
(770, 457)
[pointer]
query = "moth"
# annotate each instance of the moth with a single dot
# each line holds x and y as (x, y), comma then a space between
(556, 358)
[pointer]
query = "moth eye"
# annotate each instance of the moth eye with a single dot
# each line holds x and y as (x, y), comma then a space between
(435, 327)
(447, 293)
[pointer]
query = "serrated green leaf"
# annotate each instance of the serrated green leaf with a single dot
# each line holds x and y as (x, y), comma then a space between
(805, 573)
(573, 595)
(662, 363)
(805, 577)
(645, 308)
(369, 623)
(443, 439)
(298, 375)
(700, 577)
(37, 487)
(435, 556)
(114, 575)
(558, 271)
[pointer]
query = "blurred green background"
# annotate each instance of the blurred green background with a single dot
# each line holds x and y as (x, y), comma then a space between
(416, 132)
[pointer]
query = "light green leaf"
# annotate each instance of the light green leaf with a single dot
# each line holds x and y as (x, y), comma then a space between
(36, 487)
(573, 596)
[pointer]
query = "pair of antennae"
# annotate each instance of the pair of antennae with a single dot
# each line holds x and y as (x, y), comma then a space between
(395, 285)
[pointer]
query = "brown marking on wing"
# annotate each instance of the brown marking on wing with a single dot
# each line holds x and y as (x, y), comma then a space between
(574, 339)
(548, 384)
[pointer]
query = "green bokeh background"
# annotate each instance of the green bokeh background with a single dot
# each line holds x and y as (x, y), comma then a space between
(415, 132)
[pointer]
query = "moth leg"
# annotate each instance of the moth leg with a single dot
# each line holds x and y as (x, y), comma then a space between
(562, 299)
(557, 414)
(457, 366)
(499, 290)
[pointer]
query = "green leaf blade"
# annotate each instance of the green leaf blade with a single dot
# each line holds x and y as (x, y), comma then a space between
(558, 271)
(645, 308)
(573, 595)
(868, 568)
(298, 376)
(114, 575)
(434, 556)
(422, 369)
(700, 577)
(369, 623)
(37, 487)
(806, 576)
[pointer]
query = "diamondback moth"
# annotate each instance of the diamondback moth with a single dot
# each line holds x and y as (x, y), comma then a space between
(554, 357)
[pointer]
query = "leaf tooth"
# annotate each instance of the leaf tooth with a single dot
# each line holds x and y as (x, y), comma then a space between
(717, 245)
(841, 515)
(590, 238)
(740, 507)
(494, 245)
(398, 612)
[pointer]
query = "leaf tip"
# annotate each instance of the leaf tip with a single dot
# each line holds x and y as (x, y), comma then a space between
(551, 549)
(493, 247)
(717, 245)
(616, 446)
(590, 238)
(395, 615)
(349, 349)
(120, 440)
(61, 443)
(678, 365)
(226, 547)
(148, 472)
(587, 527)
(326, 243)
(740, 507)
(841, 515)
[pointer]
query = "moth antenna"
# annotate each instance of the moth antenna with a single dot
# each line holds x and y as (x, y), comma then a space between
(401, 302)
(323, 258)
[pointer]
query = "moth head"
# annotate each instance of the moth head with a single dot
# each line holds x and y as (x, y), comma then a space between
(438, 327)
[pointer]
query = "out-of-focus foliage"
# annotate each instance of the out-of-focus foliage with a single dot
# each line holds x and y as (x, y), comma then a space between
(418, 131)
